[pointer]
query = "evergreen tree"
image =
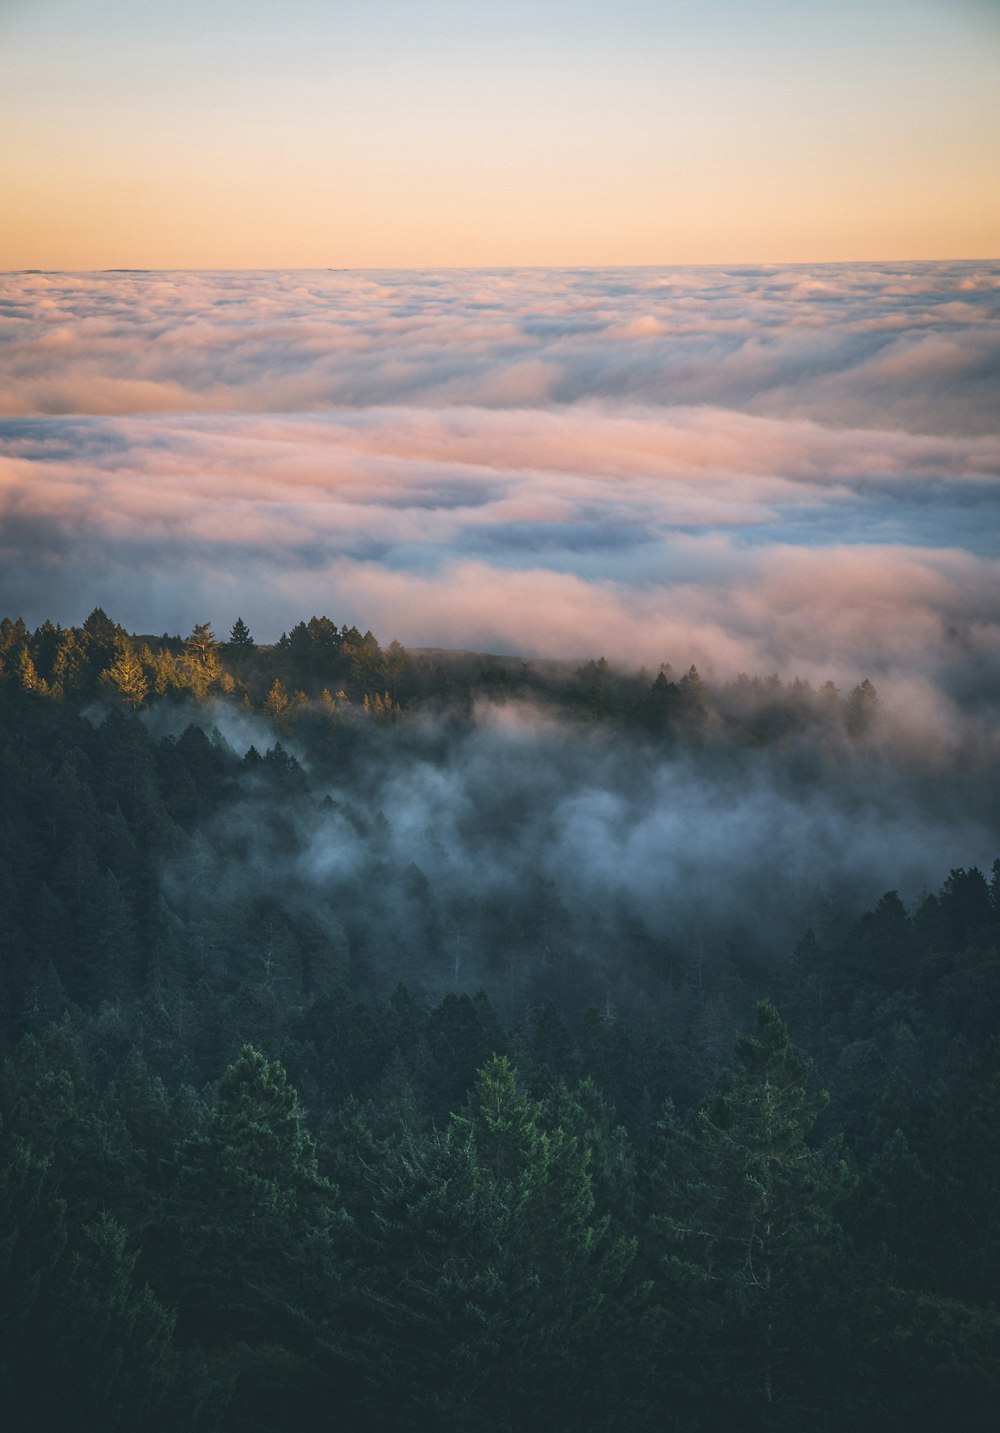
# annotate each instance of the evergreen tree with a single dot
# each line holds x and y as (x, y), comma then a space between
(275, 704)
(32, 1241)
(13, 635)
(109, 946)
(255, 1237)
(892, 1207)
(69, 665)
(969, 1212)
(28, 675)
(564, 1271)
(432, 1294)
(764, 1307)
(200, 663)
(862, 710)
(111, 1366)
(240, 639)
(126, 678)
(83, 1348)
(97, 638)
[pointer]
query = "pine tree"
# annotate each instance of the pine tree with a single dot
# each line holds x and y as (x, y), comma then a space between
(48, 1093)
(970, 1161)
(260, 1217)
(563, 1269)
(257, 1239)
(97, 639)
(200, 663)
(892, 1207)
(32, 1242)
(126, 677)
(275, 704)
(99, 627)
(69, 665)
(760, 1298)
(112, 1348)
(431, 1288)
(27, 675)
(165, 671)
(13, 635)
(108, 946)
(862, 710)
(240, 638)
(83, 1347)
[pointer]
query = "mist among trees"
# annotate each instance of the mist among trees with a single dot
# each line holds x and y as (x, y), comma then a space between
(402, 1040)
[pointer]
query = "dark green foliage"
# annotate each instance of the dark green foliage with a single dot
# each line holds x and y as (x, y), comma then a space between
(753, 1268)
(969, 1178)
(240, 638)
(259, 1221)
(251, 1251)
(892, 1208)
(85, 1347)
(562, 1202)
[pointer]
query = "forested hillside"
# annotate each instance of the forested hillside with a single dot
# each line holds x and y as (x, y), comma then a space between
(425, 1041)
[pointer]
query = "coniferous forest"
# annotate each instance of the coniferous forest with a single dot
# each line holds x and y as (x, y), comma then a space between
(403, 1040)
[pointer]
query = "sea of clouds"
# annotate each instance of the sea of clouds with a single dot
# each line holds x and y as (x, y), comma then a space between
(792, 469)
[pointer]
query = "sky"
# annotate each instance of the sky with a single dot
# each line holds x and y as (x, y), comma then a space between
(791, 469)
(247, 134)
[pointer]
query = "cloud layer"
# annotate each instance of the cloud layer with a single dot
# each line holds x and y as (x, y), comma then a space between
(898, 347)
(751, 469)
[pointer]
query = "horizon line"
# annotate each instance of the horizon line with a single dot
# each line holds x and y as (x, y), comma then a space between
(498, 267)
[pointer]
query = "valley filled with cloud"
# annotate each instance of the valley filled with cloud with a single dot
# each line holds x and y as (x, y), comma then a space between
(758, 469)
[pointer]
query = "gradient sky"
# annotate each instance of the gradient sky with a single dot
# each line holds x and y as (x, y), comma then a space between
(244, 133)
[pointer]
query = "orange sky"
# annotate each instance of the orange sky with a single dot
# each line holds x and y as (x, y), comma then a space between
(175, 134)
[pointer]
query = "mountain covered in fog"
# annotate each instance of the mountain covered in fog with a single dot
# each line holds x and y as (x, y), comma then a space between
(580, 1013)
(521, 805)
(464, 1041)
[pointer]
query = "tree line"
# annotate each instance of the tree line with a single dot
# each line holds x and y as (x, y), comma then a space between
(318, 667)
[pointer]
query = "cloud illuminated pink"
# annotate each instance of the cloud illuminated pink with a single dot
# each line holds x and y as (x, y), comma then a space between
(771, 469)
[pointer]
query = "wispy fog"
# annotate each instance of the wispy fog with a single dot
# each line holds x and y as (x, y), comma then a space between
(495, 848)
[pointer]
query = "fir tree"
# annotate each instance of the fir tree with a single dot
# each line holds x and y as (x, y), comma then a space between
(761, 1302)
(126, 678)
(200, 662)
(275, 704)
(240, 639)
